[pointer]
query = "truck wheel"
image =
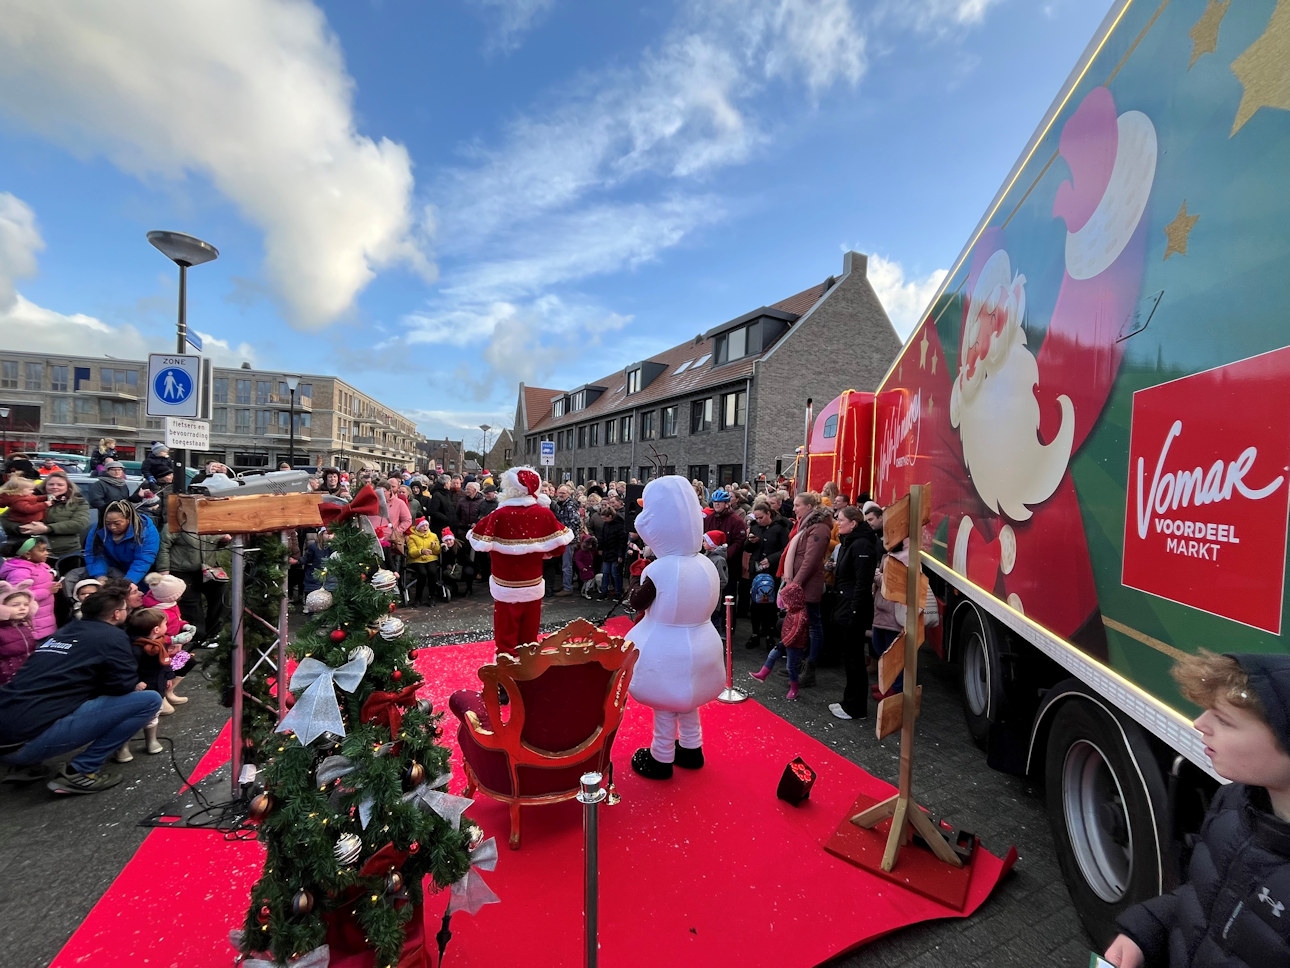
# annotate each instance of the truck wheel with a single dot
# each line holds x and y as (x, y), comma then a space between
(980, 661)
(1101, 817)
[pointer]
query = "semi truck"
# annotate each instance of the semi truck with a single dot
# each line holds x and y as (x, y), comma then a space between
(1099, 397)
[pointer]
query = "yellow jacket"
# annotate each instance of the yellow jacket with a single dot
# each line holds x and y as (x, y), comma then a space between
(422, 548)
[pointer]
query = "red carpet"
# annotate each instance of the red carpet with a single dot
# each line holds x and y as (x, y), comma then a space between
(707, 869)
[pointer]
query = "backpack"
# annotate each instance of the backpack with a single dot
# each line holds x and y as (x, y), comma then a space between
(763, 589)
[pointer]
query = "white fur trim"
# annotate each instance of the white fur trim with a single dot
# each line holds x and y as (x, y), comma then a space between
(508, 593)
(524, 501)
(551, 543)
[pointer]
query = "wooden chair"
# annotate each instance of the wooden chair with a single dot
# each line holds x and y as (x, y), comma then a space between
(567, 695)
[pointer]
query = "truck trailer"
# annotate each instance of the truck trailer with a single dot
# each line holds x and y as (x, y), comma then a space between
(1099, 396)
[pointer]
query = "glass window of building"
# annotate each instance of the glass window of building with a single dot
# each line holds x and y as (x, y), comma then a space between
(669, 422)
(33, 376)
(58, 379)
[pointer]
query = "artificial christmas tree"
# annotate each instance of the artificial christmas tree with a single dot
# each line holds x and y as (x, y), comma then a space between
(354, 813)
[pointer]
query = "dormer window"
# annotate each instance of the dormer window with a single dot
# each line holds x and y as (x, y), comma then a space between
(558, 407)
(634, 381)
(579, 400)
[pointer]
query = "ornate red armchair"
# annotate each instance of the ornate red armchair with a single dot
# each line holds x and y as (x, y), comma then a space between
(567, 696)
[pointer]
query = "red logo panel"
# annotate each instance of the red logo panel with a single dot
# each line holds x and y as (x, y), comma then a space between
(1209, 489)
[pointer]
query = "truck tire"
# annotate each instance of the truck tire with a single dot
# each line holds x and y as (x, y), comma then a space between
(1101, 816)
(980, 659)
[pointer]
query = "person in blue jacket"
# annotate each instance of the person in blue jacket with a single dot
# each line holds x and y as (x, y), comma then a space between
(124, 545)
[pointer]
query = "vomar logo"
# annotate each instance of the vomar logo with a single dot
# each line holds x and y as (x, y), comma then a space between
(1207, 496)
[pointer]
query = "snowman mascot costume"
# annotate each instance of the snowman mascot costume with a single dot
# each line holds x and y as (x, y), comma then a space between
(681, 660)
(518, 536)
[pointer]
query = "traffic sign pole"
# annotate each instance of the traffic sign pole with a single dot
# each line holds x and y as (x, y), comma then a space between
(179, 483)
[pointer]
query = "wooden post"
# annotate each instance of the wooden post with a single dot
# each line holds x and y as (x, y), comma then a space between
(902, 809)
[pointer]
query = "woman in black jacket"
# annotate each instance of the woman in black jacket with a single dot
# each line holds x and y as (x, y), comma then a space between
(853, 582)
(766, 541)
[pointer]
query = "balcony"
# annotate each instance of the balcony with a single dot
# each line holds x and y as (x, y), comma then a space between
(363, 441)
(95, 420)
(112, 391)
(284, 400)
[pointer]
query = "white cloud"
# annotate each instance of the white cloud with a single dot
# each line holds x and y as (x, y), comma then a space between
(19, 242)
(510, 20)
(904, 299)
(937, 16)
(252, 94)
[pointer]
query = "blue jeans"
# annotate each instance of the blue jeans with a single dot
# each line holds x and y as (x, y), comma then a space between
(794, 660)
(611, 570)
(105, 723)
(816, 625)
(566, 567)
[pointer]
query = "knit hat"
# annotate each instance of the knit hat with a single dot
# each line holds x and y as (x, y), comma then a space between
(158, 449)
(108, 465)
(85, 583)
(1270, 680)
(871, 506)
(165, 588)
(714, 538)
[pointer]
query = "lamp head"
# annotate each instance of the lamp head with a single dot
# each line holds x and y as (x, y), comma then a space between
(183, 250)
(293, 383)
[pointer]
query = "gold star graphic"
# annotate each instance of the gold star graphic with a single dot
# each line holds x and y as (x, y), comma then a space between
(933, 362)
(922, 351)
(1204, 33)
(1264, 68)
(1178, 230)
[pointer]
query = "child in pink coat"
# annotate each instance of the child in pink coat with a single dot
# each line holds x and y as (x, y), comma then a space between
(27, 563)
(164, 592)
(17, 640)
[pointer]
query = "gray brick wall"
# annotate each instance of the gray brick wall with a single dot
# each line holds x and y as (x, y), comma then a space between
(845, 343)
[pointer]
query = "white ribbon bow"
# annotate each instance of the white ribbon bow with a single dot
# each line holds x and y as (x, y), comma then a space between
(316, 710)
(471, 893)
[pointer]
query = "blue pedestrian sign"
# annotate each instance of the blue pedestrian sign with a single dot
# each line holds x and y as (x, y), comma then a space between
(548, 453)
(174, 385)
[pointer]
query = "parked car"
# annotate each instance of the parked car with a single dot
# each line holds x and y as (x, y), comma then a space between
(72, 463)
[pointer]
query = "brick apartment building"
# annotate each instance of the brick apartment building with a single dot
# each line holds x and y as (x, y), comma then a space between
(725, 406)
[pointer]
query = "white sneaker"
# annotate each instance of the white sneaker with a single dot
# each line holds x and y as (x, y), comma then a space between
(836, 709)
(123, 755)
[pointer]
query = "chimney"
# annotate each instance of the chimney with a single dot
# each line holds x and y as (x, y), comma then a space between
(856, 262)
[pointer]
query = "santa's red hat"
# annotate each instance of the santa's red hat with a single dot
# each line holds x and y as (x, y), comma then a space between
(522, 485)
(714, 538)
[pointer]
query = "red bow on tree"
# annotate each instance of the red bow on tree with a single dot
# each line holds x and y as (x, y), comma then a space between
(365, 502)
(387, 707)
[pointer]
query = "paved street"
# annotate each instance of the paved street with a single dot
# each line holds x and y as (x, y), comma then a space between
(58, 856)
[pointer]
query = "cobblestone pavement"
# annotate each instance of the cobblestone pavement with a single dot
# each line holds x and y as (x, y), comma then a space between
(57, 857)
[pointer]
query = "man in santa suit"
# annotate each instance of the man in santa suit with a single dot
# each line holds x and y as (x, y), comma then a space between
(518, 536)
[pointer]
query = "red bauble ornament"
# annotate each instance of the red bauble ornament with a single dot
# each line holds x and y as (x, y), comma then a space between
(393, 606)
(264, 914)
(413, 847)
(396, 675)
(338, 635)
(412, 653)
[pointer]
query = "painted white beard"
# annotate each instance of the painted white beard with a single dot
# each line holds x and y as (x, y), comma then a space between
(999, 428)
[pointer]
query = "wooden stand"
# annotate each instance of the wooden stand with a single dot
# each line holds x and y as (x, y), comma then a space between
(240, 516)
(906, 517)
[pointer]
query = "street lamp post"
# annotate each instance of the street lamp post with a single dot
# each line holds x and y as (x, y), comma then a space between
(292, 383)
(184, 251)
(4, 413)
(484, 454)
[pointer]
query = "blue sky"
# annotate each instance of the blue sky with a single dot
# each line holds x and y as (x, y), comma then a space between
(435, 201)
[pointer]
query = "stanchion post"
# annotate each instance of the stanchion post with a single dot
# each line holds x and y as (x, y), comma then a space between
(282, 643)
(236, 616)
(730, 693)
(589, 795)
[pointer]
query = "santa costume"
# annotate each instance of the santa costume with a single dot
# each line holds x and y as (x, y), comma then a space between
(518, 536)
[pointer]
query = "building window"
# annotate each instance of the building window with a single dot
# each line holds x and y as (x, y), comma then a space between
(582, 436)
(633, 381)
(243, 424)
(593, 435)
(669, 422)
(119, 381)
(58, 412)
(219, 418)
(263, 388)
(154, 423)
(667, 469)
(729, 474)
(698, 472)
(303, 421)
(644, 472)
(86, 410)
(220, 392)
(734, 407)
(579, 400)
(557, 408)
(34, 375)
(625, 430)
(247, 459)
(624, 473)
(243, 391)
(647, 425)
(609, 474)
(701, 416)
(58, 379)
(735, 344)
(611, 436)
(9, 374)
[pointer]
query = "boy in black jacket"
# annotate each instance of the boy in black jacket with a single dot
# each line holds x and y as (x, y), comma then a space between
(613, 548)
(1232, 910)
(81, 686)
